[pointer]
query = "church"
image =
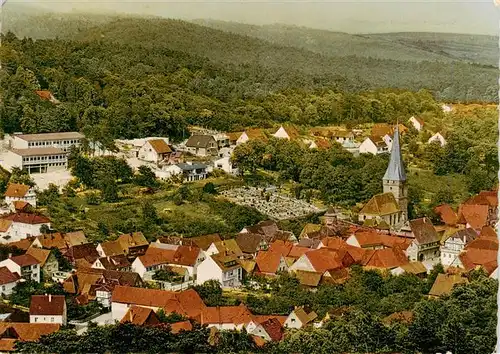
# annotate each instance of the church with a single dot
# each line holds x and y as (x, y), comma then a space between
(391, 206)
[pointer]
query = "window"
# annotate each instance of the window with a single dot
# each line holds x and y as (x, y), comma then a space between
(52, 319)
(3, 287)
(36, 319)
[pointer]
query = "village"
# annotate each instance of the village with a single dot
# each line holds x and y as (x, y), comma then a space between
(131, 279)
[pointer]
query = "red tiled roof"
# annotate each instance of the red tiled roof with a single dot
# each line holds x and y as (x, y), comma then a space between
(483, 243)
(268, 261)
(447, 214)
(226, 314)
(24, 260)
(488, 231)
(298, 251)
(16, 190)
(473, 257)
(489, 198)
(26, 218)
(20, 205)
(373, 238)
(140, 316)
(181, 326)
(7, 344)
(387, 258)
(28, 331)
(187, 302)
(282, 247)
(44, 94)
(47, 305)
(474, 214)
(160, 146)
(6, 276)
(324, 259)
(273, 327)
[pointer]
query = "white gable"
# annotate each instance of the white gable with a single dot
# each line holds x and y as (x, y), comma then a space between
(353, 241)
(281, 134)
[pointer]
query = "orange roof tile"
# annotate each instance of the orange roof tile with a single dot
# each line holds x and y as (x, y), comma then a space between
(6, 276)
(447, 214)
(39, 254)
(187, 302)
(16, 190)
(488, 231)
(26, 218)
(177, 327)
(474, 214)
(268, 261)
(226, 314)
(160, 146)
(324, 259)
(274, 329)
(29, 331)
(47, 305)
(387, 258)
(281, 247)
(140, 316)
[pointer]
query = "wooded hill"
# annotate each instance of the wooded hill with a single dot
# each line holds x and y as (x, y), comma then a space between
(348, 62)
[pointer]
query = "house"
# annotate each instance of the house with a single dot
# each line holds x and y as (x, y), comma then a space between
(11, 332)
(387, 258)
(119, 262)
(382, 207)
(61, 241)
(343, 136)
(289, 133)
(226, 317)
(270, 231)
(221, 267)
(187, 303)
(48, 309)
(437, 138)
(17, 226)
(190, 171)
(268, 330)
(455, 244)
(226, 165)
(417, 123)
(204, 242)
(416, 268)
(488, 198)
(374, 145)
(202, 145)
(131, 245)
(308, 279)
(178, 327)
(323, 260)
(20, 192)
(478, 253)
(444, 284)
(270, 263)
(299, 318)
(36, 160)
(251, 134)
(473, 215)
(25, 265)
(47, 96)
(47, 260)
(233, 137)
(155, 150)
(140, 316)
(251, 244)
(447, 214)
(98, 284)
(82, 255)
(229, 246)
(425, 243)
(8, 280)
(374, 240)
(160, 256)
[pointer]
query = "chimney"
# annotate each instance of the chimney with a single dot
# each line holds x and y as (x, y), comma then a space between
(10, 255)
(50, 298)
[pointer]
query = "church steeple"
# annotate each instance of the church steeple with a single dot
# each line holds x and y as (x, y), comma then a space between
(396, 170)
(394, 180)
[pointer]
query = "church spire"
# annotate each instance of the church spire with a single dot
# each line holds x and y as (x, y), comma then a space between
(396, 170)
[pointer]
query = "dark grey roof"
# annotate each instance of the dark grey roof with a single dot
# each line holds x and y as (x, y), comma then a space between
(396, 170)
(466, 235)
(190, 167)
(200, 141)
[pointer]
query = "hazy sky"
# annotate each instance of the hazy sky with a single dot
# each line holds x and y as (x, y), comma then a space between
(477, 16)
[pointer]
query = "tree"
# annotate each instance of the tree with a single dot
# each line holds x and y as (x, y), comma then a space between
(21, 176)
(209, 188)
(49, 195)
(211, 293)
(149, 214)
(145, 177)
(109, 190)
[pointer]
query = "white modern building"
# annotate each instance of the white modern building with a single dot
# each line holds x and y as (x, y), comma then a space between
(226, 165)
(62, 141)
(37, 160)
(190, 170)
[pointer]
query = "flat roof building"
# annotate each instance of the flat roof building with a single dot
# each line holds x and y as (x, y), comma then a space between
(56, 140)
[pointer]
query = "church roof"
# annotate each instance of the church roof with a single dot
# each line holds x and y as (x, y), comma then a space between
(381, 204)
(396, 170)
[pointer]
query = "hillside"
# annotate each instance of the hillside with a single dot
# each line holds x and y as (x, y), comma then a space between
(452, 80)
(398, 46)
(279, 66)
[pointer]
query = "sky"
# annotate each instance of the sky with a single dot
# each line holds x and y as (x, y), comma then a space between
(354, 16)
